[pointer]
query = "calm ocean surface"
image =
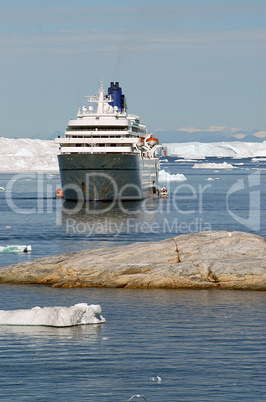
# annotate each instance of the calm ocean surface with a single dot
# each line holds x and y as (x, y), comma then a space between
(206, 345)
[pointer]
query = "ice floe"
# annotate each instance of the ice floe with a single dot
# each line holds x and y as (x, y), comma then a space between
(165, 176)
(79, 314)
(211, 178)
(224, 165)
(258, 160)
(187, 160)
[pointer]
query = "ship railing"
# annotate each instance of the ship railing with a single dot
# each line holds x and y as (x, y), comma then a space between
(90, 150)
(97, 140)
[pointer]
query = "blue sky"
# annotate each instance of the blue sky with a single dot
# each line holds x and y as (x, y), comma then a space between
(184, 64)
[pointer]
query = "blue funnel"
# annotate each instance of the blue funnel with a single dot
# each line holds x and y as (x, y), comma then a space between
(117, 98)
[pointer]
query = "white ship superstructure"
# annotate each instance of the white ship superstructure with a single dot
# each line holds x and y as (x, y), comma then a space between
(106, 153)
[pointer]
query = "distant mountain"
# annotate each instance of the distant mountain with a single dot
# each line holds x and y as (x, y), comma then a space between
(252, 138)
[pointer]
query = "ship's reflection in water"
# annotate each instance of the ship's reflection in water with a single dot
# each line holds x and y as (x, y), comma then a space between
(114, 219)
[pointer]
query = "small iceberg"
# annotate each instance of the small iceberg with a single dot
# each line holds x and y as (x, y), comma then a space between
(79, 314)
(210, 178)
(164, 176)
(15, 249)
(2, 188)
(224, 165)
(258, 160)
(186, 160)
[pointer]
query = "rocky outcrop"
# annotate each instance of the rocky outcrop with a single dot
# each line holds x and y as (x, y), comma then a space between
(222, 259)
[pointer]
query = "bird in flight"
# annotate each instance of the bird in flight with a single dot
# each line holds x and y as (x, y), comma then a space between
(137, 396)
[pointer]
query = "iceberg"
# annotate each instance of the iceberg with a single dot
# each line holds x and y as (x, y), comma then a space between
(258, 160)
(211, 178)
(25, 154)
(79, 314)
(224, 165)
(165, 176)
(235, 149)
(187, 160)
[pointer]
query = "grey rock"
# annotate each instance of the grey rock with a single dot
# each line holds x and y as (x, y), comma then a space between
(222, 259)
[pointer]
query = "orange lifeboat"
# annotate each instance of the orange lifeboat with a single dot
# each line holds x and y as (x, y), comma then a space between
(141, 143)
(152, 141)
(59, 193)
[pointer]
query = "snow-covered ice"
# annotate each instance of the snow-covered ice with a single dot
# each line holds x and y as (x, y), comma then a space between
(165, 176)
(211, 178)
(258, 159)
(25, 154)
(224, 165)
(79, 314)
(187, 160)
(235, 149)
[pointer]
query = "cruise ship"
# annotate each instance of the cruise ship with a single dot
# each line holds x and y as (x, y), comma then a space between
(106, 153)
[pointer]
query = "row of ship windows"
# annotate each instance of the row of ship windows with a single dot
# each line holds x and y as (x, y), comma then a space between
(87, 128)
(100, 136)
(138, 130)
(92, 128)
(94, 145)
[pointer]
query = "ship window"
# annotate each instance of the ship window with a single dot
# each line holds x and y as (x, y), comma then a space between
(97, 128)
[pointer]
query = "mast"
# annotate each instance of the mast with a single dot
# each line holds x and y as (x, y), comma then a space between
(101, 99)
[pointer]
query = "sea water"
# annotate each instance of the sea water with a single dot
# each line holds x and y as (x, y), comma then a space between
(205, 345)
